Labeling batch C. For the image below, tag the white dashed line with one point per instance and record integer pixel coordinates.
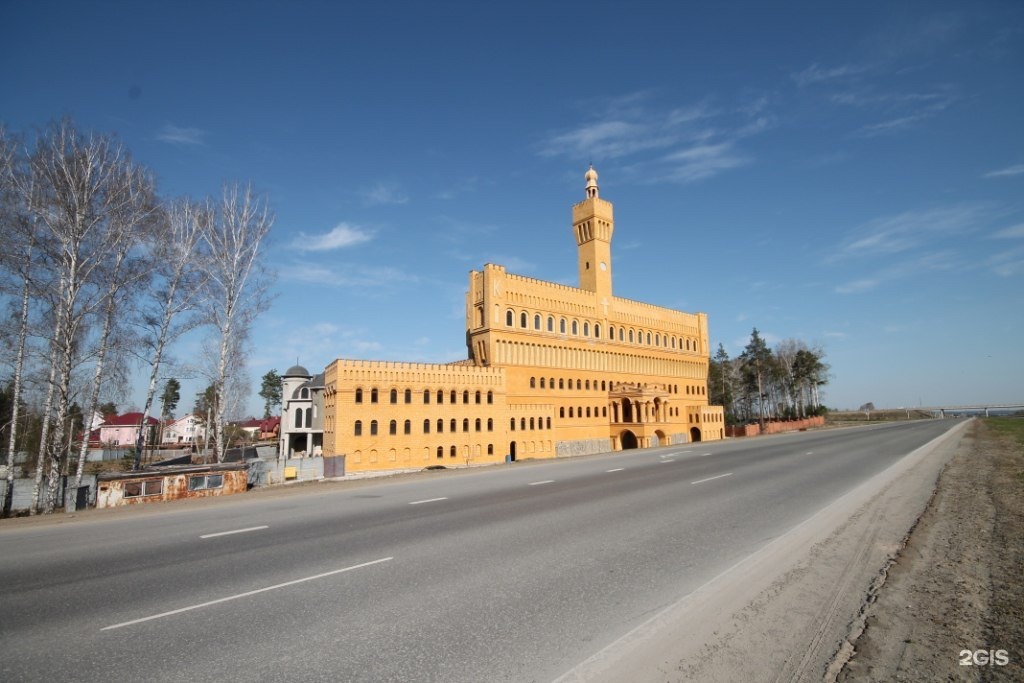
(245, 595)
(428, 500)
(701, 481)
(617, 469)
(235, 531)
(538, 483)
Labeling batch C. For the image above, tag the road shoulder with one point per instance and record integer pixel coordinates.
(784, 612)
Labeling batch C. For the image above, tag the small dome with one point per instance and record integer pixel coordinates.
(591, 175)
(296, 371)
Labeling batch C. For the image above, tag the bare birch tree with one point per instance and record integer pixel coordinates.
(236, 290)
(77, 186)
(169, 311)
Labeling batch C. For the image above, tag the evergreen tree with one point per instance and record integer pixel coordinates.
(270, 392)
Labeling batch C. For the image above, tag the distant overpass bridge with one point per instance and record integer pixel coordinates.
(978, 408)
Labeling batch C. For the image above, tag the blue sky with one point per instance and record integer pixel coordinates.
(847, 173)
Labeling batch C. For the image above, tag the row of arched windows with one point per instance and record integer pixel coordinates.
(439, 425)
(477, 396)
(534, 423)
(579, 412)
(586, 385)
(576, 328)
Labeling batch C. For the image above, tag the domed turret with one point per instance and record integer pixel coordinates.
(297, 371)
(591, 178)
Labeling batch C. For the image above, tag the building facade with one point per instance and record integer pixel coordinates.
(552, 371)
(302, 413)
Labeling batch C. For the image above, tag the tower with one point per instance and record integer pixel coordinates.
(593, 223)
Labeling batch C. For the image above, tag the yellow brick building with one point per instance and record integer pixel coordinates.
(552, 371)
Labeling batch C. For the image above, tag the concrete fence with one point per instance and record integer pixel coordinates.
(775, 427)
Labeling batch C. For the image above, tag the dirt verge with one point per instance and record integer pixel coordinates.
(952, 604)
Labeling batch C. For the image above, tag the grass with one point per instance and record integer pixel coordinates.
(1010, 427)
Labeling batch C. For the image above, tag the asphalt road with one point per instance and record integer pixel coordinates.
(508, 573)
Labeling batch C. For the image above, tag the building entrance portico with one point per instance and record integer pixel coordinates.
(639, 415)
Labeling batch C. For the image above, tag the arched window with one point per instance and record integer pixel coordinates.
(579, 385)
(373, 395)
(298, 418)
(541, 382)
(512, 424)
(304, 393)
(532, 424)
(477, 398)
(490, 449)
(490, 397)
(548, 423)
(408, 395)
(570, 411)
(426, 396)
(453, 397)
(522, 319)
(440, 426)
(359, 395)
(687, 344)
(522, 423)
(465, 424)
(490, 424)
(478, 424)
(358, 431)
(309, 418)
(603, 386)
(536, 321)
(597, 330)
(648, 338)
(588, 411)
(454, 425)
(575, 327)
(394, 395)
(611, 332)
(673, 342)
(561, 412)
(586, 385)
(561, 325)
(465, 397)
(426, 426)
(631, 336)
(440, 396)
(393, 427)
(373, 428)
(561, 383)
(586, 329)
(533, 382)
(657, 340)
(551, 324)
(408, 427)
(620, 334)
(451, 452)
(440, 452)
(508, 318)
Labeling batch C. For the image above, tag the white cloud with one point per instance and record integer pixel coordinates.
(858, 286)
(1016, 169)
(815, 73)
(1008, 263)
(911, 229)
(383, 193)
(181, 136)
(1012, 232)
(341, 236)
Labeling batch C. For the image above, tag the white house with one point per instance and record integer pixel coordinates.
(186, 429)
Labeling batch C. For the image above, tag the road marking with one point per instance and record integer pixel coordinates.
(246, 594)
(810, 452)
(617, 469)
(236, 531)
(538, 483)
(701, 481)
(428, 500)
(668, 460)
(704, 455)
